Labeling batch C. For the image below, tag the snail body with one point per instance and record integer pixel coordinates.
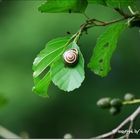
(71, 57)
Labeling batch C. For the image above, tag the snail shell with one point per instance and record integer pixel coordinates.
(71, 57)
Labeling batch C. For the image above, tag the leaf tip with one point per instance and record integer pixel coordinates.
(45, 95)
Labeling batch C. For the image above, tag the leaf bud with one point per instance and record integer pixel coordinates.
(114, 110)
(129, 97)
(116, 102)
(104, 102)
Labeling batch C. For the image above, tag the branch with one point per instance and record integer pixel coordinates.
(5, 133)
(130, 119)
(95, 22)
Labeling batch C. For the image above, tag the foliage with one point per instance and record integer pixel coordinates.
(49, 64)
(105, 46)
(45, 58)
(68, 78)
(56, 6)
(65, 78)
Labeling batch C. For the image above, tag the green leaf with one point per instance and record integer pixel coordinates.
(42, 85)
(44, 59)
(102, 2)
(63, 6)
(105, 46)
(119, 3)
(68, 78)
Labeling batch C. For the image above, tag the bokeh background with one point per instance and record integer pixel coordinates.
(24, 31)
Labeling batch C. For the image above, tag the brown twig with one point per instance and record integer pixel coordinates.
(130, 119)
(95, 22)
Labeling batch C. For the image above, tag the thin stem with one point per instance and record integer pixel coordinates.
(135, 101)
(129, 129)
(110, 22)
(130, 9)
(122, 137)
(95, 22)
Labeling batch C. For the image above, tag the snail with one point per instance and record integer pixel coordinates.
(71, 57)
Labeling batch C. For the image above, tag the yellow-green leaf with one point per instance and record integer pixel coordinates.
(44, 59)
(68, 78)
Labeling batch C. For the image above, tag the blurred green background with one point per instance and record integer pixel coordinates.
(23, 33)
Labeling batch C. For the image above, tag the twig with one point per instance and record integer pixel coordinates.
(107, 23)
(129, 129)
(5, 133)
(130, 119)
(131, 102)
(95, 22)
(130, 9)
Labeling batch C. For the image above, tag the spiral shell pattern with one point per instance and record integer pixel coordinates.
(71, 56)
